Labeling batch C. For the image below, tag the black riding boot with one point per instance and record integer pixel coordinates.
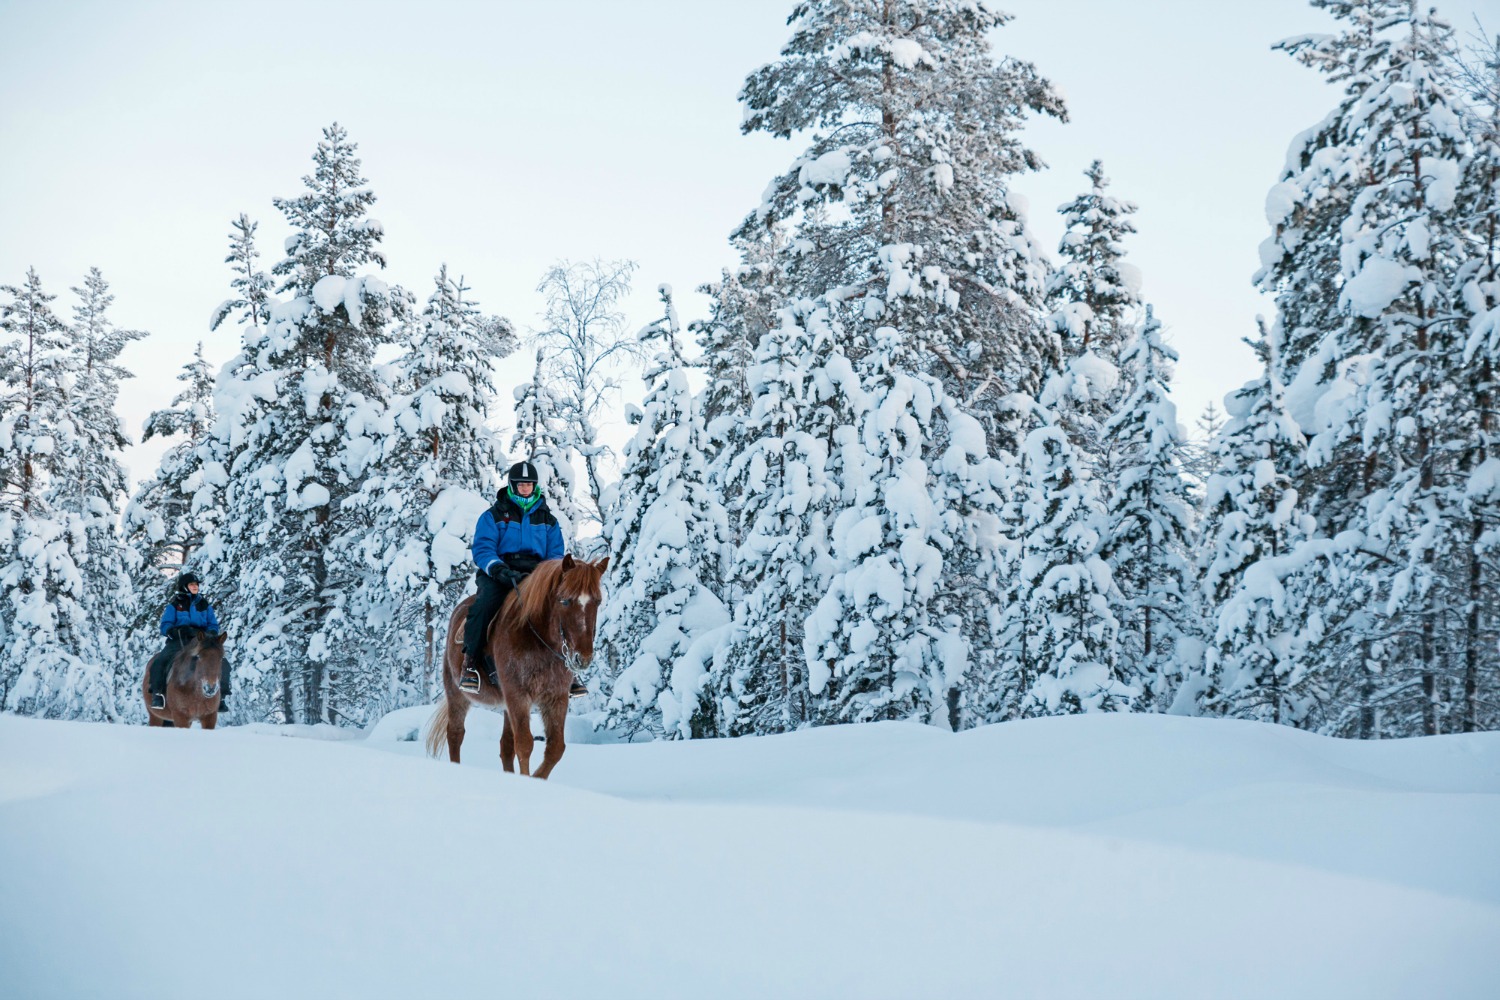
(223, 684)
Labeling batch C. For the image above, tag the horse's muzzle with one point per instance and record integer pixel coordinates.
(209, 690)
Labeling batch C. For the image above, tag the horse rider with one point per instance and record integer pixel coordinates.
(185, 612)
(511, 539)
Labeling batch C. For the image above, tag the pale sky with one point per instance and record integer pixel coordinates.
(500, 137)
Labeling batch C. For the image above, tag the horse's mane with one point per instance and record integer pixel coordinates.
(533, 600)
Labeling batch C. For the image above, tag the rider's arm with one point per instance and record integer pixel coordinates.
(486, 541)
(213, 619)
(555, 547)
(168, 618)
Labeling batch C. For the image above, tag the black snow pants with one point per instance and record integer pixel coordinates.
(492, 594)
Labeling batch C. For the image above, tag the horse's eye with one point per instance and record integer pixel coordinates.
(565, 601)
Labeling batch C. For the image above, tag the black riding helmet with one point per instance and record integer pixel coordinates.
(522, 472)
(183, 579)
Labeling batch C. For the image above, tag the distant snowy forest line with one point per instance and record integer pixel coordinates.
(908, 466)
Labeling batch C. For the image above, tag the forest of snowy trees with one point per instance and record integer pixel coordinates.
(910, 465)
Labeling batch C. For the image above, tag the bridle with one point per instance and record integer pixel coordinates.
(567, 655)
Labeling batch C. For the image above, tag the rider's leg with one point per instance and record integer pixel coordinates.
(486, 602)
(159, 666)
(223, 681)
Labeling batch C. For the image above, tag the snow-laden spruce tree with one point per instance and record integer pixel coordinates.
(43, 618)
(805, 395)
(745, 304)
(290, 446)
(912, 128)
(666, 531)
(1094, 302)
(251, 285)
(434, 472)
(96, 490)
(1477, 284)
(1094, 295)
(1149, 532)
(890, 638)
(1261, 612)
(1402, 243)
(1057, 630)
(1319, 181)
(162, 525)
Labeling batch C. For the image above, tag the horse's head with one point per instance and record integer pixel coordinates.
(576, 600)
(205, 661)
(559, 602)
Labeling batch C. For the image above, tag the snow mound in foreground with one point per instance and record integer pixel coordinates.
(1097, 856)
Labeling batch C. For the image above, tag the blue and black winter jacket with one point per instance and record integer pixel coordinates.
(185, 610)
(505, 529)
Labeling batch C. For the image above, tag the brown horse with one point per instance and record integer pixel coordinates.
(544, 631)
(192, 684)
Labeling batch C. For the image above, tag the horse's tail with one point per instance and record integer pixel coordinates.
(437, 728)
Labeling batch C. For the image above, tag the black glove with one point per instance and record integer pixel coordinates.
(502, 573)
(522, 562)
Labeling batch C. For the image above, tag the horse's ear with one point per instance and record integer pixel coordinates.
(217, 640)
(567, 563)
(602, 564)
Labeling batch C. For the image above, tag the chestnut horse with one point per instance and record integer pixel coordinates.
(544, 631)
(192, 684)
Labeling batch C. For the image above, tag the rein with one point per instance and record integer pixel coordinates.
(545, 643)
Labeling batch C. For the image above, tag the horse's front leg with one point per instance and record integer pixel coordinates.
(555, 718)
(210, 720)
(518, 716)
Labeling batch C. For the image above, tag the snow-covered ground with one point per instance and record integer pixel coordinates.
(1104, 856)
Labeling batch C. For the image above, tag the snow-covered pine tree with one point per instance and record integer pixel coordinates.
(433, 474)
(163, 526)
(96, 490)
(1094, 295)
(914, 140)
(292, 411)
(1477, 284)
(1094, 302)
(1403, 241)
(1319, 181)
(1198, 453)
(665, 526)
(1149, 531)
(883, 641)
(252, 286)
(1059, 630)
(1260, 622)
(744, 306)
(42, 545)
(804, 396)
(900, 218)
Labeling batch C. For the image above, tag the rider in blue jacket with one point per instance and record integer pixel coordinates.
(184, 613)
(510, 540)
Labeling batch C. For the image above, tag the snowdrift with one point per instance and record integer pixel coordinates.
(1105, 856)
